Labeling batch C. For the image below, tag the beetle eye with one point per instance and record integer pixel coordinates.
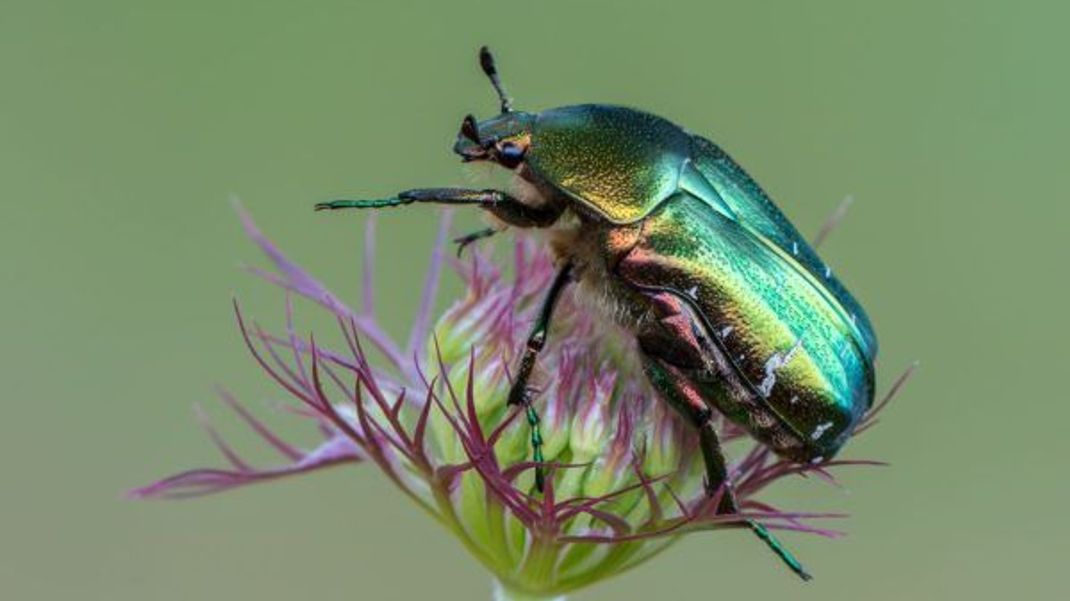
(510, 154)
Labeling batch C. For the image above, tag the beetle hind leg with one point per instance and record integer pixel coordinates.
(682, 394)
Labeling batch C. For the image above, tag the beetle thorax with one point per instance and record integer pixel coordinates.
(581, 241)
(576, 238)
(525, 191)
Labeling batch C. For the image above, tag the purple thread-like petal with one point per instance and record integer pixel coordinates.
(298, 280)
(199, 482)
(422, 322)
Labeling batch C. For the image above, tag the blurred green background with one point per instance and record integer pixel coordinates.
(125, 127)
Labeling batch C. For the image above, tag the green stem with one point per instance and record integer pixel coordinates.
(537, 570)
(503, 594)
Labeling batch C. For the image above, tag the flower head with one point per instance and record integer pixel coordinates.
(624, 478)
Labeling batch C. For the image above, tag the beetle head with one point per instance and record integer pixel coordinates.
(503, 139)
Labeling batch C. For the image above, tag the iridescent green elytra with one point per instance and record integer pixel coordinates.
(731, 308)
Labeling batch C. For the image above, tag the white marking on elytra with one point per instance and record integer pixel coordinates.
(680, 172)
(791, 352)
(820, 430)
(774, 363)
(795, 248)
(817, 460)
(794, 399)
(828, 271)
(725, 331)
(693, 292)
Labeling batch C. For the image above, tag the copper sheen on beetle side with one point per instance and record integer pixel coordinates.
(733, 311)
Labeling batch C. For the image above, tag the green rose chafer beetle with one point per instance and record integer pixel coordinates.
(732, 309)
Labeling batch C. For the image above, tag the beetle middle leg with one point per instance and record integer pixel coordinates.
(680, 391)
(462, 242)
(520, 393)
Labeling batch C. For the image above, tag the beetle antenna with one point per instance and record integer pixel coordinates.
(486, 60)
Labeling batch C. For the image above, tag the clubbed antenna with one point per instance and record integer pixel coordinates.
(486, 60)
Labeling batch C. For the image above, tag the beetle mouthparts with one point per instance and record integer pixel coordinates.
(469, 129)
(469, 145)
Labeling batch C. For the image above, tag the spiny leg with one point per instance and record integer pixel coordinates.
(450, 196)
(681, 393)
(520, 394)
(502, 205)
(462, 242)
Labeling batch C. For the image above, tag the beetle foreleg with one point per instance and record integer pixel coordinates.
(519, 394)
(502, 205)
(678, 390)
(449, 196)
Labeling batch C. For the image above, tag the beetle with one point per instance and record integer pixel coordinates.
(733, 311)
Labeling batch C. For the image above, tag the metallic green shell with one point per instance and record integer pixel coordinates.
(619, 162)
(714, 177)
(623, 163)
(711, 236)
(782, 331)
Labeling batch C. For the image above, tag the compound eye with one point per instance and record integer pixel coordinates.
(510, 154)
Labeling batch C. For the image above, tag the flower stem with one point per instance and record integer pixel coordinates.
(503, 594)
